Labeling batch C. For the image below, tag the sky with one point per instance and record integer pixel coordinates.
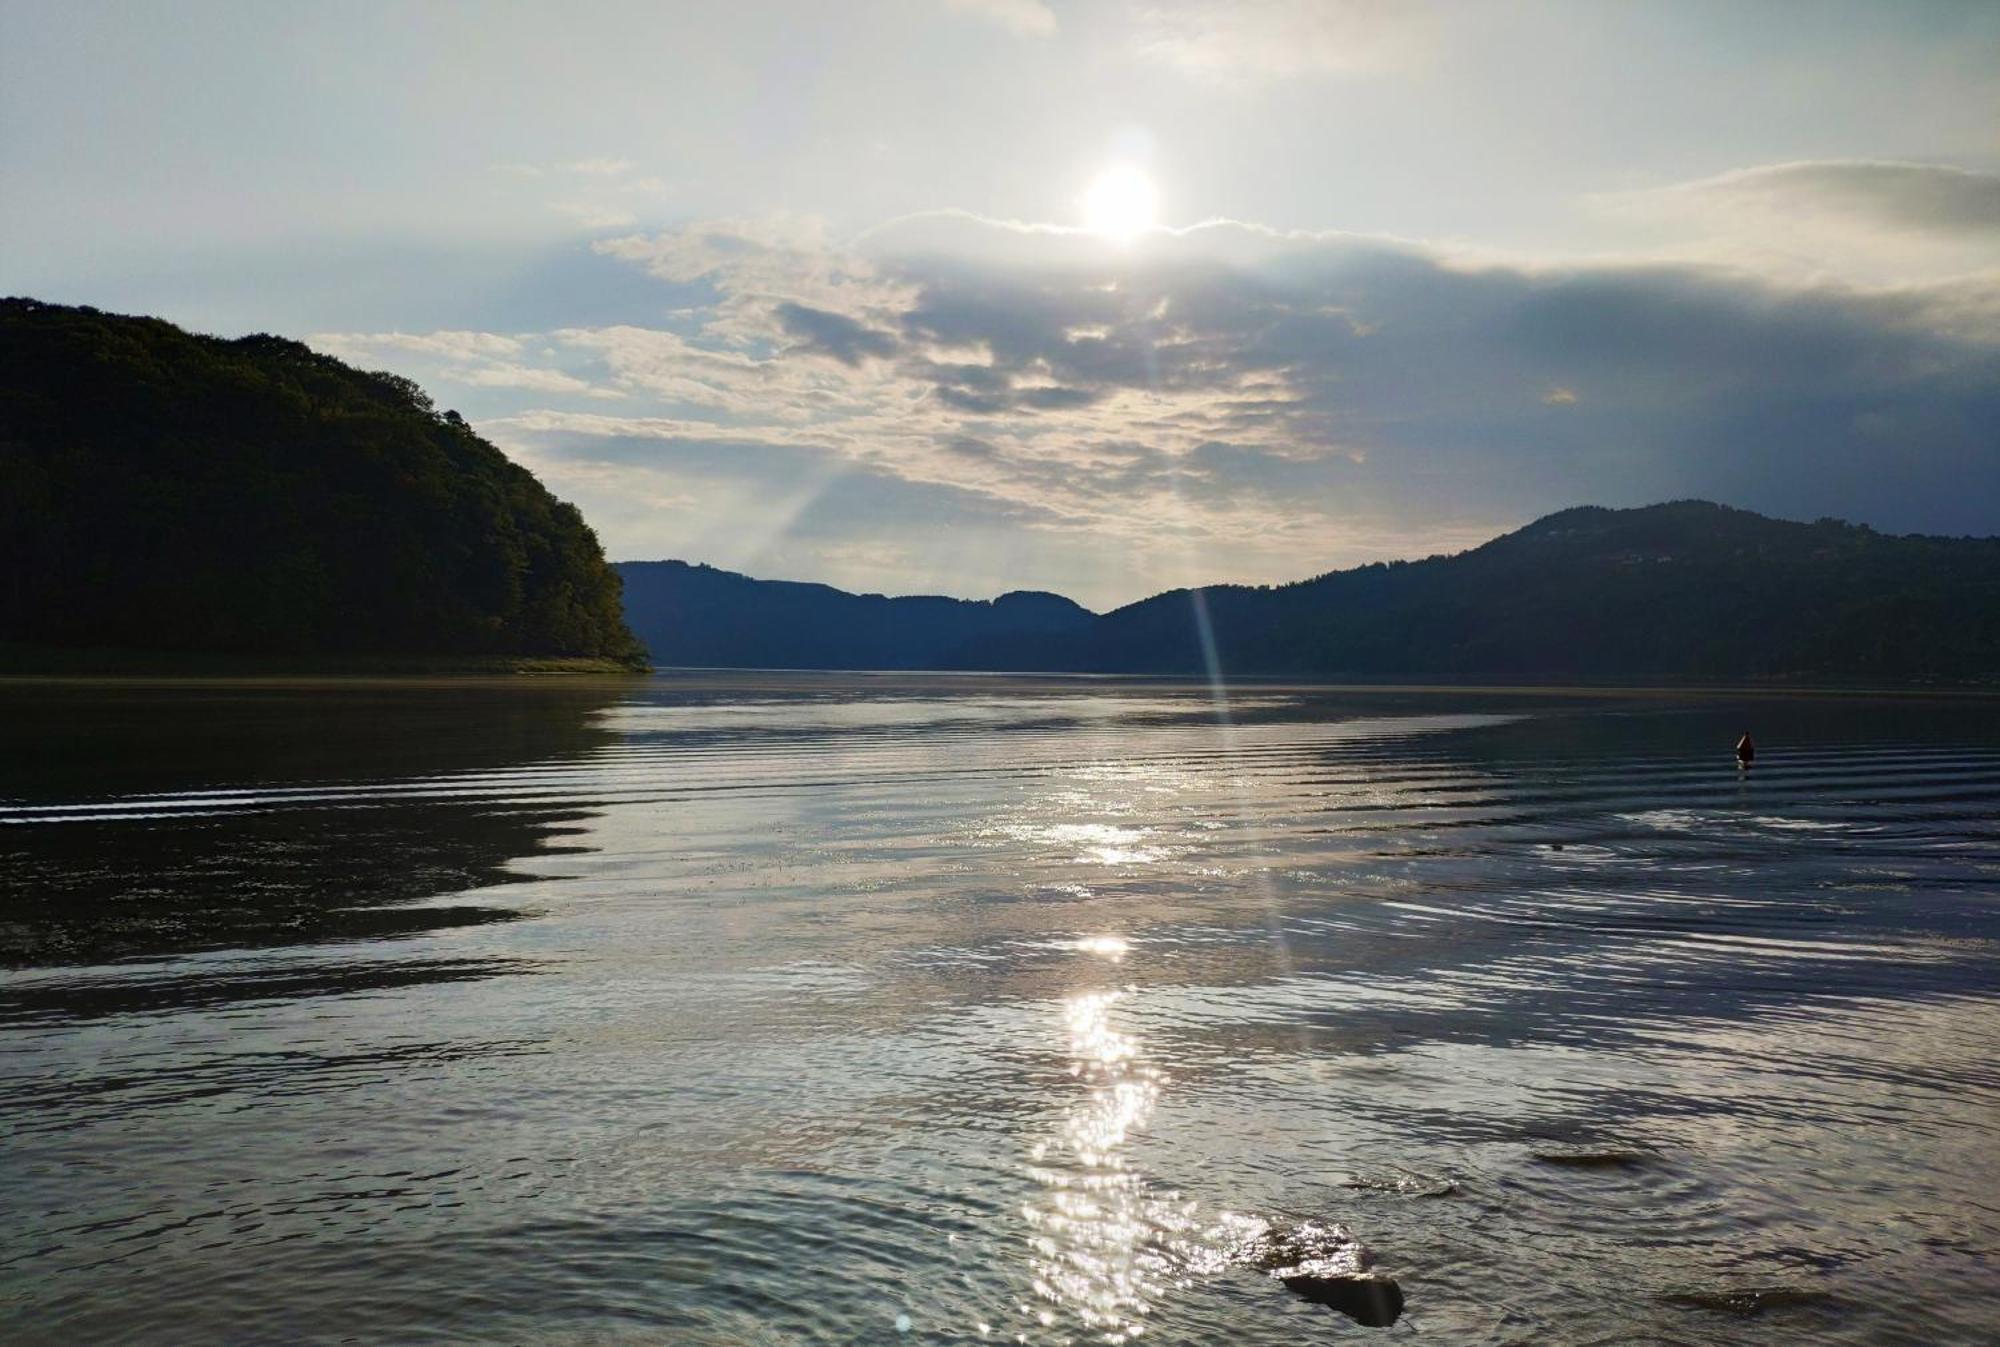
(1106, 297)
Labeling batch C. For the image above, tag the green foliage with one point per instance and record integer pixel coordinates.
(166, 491)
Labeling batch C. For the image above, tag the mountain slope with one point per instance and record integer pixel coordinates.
(1682, 591)
(163, 491)
(699, 616)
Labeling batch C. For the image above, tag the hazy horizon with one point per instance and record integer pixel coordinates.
(1210, 584)
(1102, 299)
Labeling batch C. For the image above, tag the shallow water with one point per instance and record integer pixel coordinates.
(774, 1009)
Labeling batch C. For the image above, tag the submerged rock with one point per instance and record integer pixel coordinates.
(1599, 1157)
(1327, 1265)
(1369, 1298)
(1750, 1301)
(1403, 1183)
(1322, 1263)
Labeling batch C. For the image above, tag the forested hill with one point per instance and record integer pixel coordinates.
(167, 492)
(1688, 591)
(699, 616)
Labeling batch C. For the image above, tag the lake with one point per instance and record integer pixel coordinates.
(773, 1008)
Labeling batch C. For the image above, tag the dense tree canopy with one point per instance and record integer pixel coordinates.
(161, 490)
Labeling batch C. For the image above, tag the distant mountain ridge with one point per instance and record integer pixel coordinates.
(1687, 590)
(694, 615)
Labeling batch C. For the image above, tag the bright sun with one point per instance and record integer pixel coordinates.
(1121, 203)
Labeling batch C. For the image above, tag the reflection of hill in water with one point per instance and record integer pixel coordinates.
(283, 831)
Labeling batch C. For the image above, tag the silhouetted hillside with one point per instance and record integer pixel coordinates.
(162, 491)
(699, 616)
(1684, 591)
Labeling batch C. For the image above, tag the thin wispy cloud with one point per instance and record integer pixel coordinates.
(1936, 199)
(1284, 39)
(590, 215)
(456, 346)
(1877, 221)
(1029, 18)
(601, 166)
(471, 359)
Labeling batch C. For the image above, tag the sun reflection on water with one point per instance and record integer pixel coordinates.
(1111, 947)
(1088, 1239)
(1098, 1236)
(1090, 843)
(1105, 1242)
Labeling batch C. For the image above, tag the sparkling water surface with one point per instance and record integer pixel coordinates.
(772, 1008)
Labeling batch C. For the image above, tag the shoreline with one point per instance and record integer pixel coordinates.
(43, 665)
(1337, 683)
(129, 669)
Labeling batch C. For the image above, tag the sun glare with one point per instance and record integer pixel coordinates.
(1121, 203)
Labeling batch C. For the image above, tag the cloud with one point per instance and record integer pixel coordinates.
(833, 334)
(598, 193)
(1028, 18)
(754, 265)
(889, 559)
(474, 359)
(1868, 221)
(601, 166)
(594, 216)
(757, 382)
(1282, 39)
(596, 166)
(1264, 404)
(539, 380)
(1922, 198)
(461, 346)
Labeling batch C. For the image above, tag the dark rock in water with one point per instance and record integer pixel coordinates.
(1599, 1158)
(1326, 1250)
(1369, 1298)
(1329, 1266)
(1749, 1302)
(1403, 1183)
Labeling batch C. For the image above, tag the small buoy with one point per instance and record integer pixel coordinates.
(1746, 749)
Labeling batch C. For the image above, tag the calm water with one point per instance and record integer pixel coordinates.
(814, 1009)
